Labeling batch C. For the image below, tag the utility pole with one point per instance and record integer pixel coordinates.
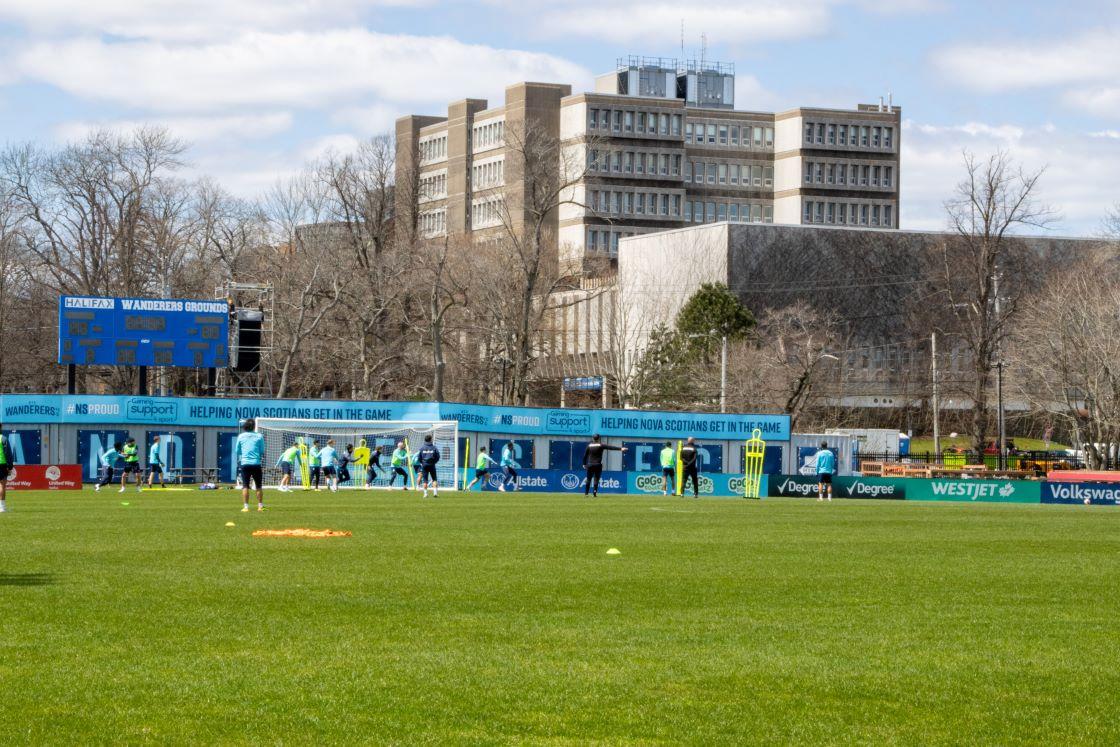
(723, 376)
(999, 373)
(936, 401)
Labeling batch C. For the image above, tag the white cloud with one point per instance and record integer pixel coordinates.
(1032, 64)
(191, 129)
(367, 120)
(660, 21)
(175, 19)
(1080, 181)
(1102, 101)
(297, 69)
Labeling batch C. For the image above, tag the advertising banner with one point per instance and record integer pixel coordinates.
(557, 481)
(803, 486)
(978, 491)
(194, 411)
(26, 445)
(45, 477)
(711, 484)
(1096, 494)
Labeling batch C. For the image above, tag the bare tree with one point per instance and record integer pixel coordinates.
(981, 264)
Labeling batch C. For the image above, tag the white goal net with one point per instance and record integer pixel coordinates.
(363, 438)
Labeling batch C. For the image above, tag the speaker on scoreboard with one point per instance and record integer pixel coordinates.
(247, 340)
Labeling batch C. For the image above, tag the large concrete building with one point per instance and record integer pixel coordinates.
(658, 145)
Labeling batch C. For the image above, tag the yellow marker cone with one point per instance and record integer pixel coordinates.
(613, 551)
(230, 524)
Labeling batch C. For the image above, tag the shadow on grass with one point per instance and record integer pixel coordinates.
(27, 579)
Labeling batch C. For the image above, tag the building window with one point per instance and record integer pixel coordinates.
(616, 161)
(711, 173)
(808, 172)
(768, 176)
(819, 171)
(853, 136)
(618, 121)
(710, 211)
(723, 134)
(831, 212)
(865, 175)
(711, 134)
(888, 175)
(687, 210)
(733, 177)
(808, 217)
(591, 239)
(614, 243)
(875, 136)
(832, 134)
(651, 163)
(733, 212)
(640, 203)
(676, 204)
(863, 136)
(735, 134)
(592, 119)
(688, 172)
(721, 212)
(830, 176)
(664, 159)
(756, 213)
(863, 215)
(820, 134)
(665, 205)
(874, 215)
(628, 162)
(723, 173)
(767, 213)
(808, 132)
(887, 216)
(818, 212)
(676, 125)
(769, 137)
(628, 122)
(843, 135)
(875, 176)
(841, 210)
(887, 131)
(676, 166)
(697, 212)
(664, 124)
(630, 203)
(698, 169)
(688, 132)
(641, 122)
(758, 137)
(841, 173)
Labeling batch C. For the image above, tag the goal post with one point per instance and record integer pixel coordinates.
(310, 435)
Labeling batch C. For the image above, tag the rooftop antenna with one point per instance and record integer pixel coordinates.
(703, 48)
(682, 38)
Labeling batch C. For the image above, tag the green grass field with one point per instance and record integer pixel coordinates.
(499, 618)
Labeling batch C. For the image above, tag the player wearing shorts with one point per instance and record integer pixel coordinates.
(593, 464)
(155, 465)
(482, 467)
(108, 465)
(6, 460)
(248, 455)
(826, 468)
(328, 457)
(428, 457)
(287, 462)
(668, 468)
(509, 466)
(131, 455)
(398, 461)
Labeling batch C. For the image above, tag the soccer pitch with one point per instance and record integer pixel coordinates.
(499, 618)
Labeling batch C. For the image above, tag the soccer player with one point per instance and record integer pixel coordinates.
(6, 460)
(428, 457)
(482, 467)
(108, 464)
(509, 466)
(344, 460)
(328, 457)
(287, 462)
(668, 468)
(398, 461)
(248, 454)
(374, 467)
(593, 464)
(314, 461)
(690, 461)
(155, 466)
(826, 467)
(131, 456)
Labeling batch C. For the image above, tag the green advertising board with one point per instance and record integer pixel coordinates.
(910, 488)
(977, 491)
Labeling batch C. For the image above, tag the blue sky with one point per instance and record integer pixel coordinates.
(260, 87)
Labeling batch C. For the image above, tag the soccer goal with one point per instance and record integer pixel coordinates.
(365, 437)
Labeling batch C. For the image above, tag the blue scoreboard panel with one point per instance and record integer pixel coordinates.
(143, 332)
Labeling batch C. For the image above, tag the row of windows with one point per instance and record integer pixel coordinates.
(433, 148)
(607, 202)
(634, 122)
(488, 134)
(729, 135)
(853, 175)
(433, 186)
(600, 240)
(489, 174)
(736, 212)
(862, 136)
(433, 223)
(848, 213)
(486, 213)
(746, 175)
(634, 162)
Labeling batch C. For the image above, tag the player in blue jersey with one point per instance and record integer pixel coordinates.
(248, 455)
(826, 468)
(428, 457)
(155, 463)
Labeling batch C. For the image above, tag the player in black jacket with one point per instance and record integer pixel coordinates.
(593, 464)
(428, 456)
(690, 462)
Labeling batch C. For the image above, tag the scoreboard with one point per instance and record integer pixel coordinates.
(143, 332)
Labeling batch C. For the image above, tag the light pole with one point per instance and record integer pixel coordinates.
(723, 375)
(503, 362)
(936, 402)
